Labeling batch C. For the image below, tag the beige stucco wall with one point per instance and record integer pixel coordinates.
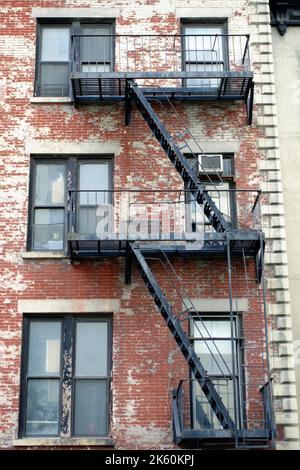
(287, 75)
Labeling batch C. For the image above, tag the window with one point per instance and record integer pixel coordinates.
(212, 343)
(66, 357)
(96, 48)
(48, 205)
(204, 50)
(94, 186)
(220, 186)
(56, 54)
(49, 198)
(54, 61)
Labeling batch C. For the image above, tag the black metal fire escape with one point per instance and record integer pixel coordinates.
(181, 164)
(182, 340)
(229, 239)
(216, 218)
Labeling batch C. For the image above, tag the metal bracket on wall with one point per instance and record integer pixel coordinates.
(128, 264)
(128, 104)
(249, 103)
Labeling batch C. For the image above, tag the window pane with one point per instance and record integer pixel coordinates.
(227, 166)
(204, 417)
(42, 407)
(54, 80)
(44, 348)
(90, 408)
(204, 44)
(92, 67)
(91, 349)
(94, 177)
(212, 328)
(96, 49)
(48, 230)
(221, 196)
(204, 82)
(55, 44)
(88, 219)
(49, 185)
(215, 356)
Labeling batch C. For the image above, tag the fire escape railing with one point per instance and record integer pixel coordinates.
(190, 55)
(189, 67)
(157, 214)
(193, 421)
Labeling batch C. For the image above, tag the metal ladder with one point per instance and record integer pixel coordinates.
(182, 340)
(181, 164)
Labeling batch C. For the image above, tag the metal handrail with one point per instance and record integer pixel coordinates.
(152, 52)
(237, 206)
(161, 35)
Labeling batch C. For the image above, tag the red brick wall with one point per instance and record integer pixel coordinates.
(146, 361)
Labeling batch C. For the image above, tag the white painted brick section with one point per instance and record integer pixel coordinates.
(287, 376)
(289, 404)
(284, 322)
(280, 309)
(280, 283)
(272, 210)
(284, 390)
(283, 362)
(287, 418)
(280, 336)
(282, 296)
(291, 433)
(281, 271)
(286, 349)
(274, 246)
(276, 258)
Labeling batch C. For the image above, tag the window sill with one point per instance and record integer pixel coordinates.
(44, 255)
(50, 99)
(64, 442)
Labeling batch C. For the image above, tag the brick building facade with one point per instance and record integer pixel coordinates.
(87, 358)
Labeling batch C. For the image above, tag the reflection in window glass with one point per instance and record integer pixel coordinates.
(94, 183)
(49, 186)
(91, 378)
(97, 48)
(90, 408)
(91, 349)
(55, 44)
(213, 346)
(44, 348)
(48, 220)
(54, 59)
(42, 407)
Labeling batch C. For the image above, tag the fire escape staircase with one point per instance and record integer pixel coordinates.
(229, 433)
(181, 164)
(216, 218)
(182, 340)
(224, 233)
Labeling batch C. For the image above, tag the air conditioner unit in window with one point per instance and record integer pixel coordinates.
(212, 163)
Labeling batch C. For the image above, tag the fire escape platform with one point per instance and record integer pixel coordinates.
(91, 87)
(253, 437)
(242, 242)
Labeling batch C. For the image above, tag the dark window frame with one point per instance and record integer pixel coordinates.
(75, 28)
(239, 360)
(71, 183)
(68, 325)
